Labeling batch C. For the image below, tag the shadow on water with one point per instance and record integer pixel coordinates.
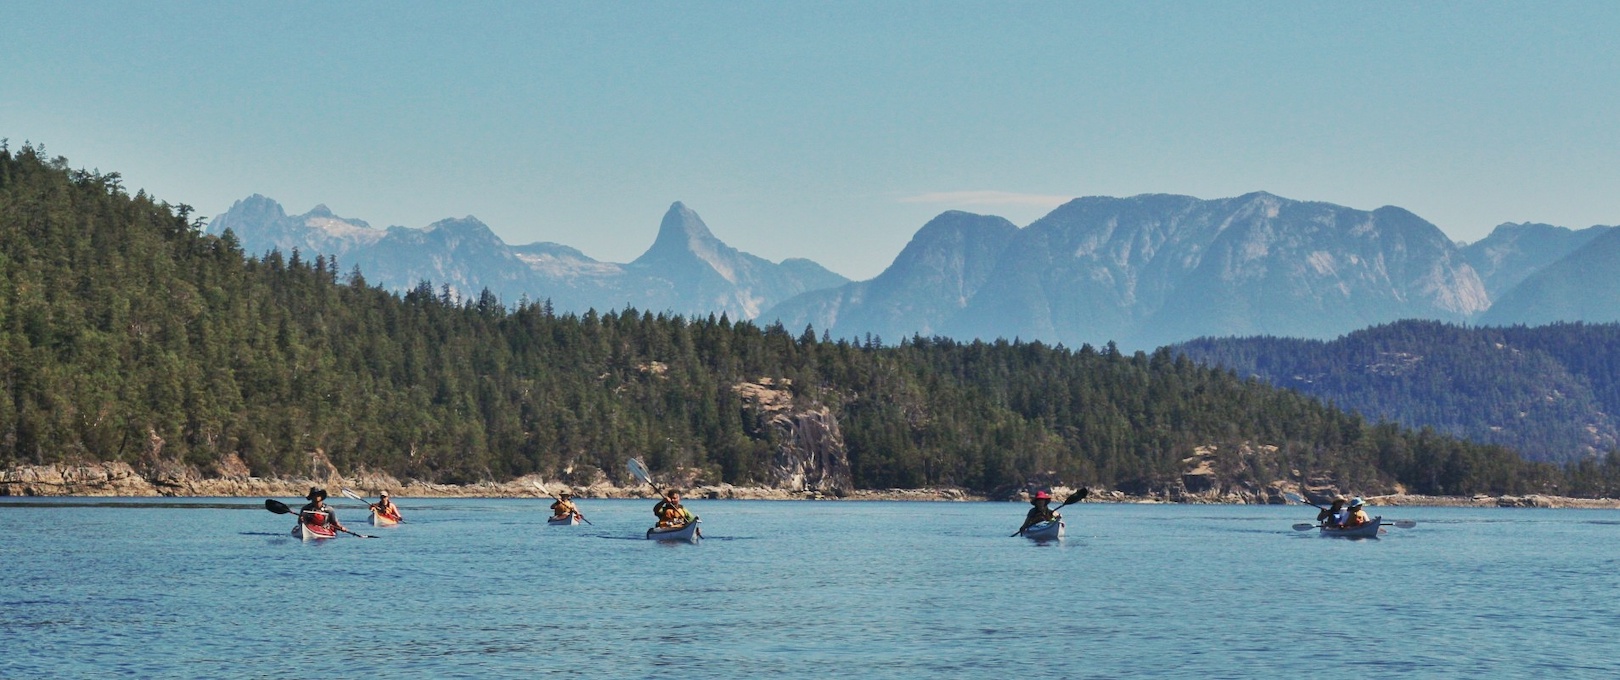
(141, 505)
(706, 538)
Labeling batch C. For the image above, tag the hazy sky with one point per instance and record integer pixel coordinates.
(821, 129)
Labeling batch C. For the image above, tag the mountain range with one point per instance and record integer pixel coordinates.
(1143, 271)
(687, 270)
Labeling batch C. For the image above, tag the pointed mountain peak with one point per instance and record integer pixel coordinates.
(682, 236)
(257, 207)
(320, 210)
(682, 230)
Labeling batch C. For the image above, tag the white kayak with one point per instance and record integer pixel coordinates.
(1045, 531)
(380, 520)
(562, 521)
(688, 532)
(1368, 530)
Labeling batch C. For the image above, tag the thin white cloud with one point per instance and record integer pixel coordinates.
(988, 198)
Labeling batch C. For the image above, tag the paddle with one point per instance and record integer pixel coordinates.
(1075, 497)
(281, 508)
(547, 492)
(351, 494)
(639, 470)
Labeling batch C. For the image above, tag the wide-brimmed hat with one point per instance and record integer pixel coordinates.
(1357, 502)
(1042, 495)
(313, 492)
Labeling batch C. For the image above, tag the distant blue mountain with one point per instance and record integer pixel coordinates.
(1154, 269)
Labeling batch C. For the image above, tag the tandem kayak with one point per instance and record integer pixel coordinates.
(380, 520)
(688, 532)
(1368, 530)
(1045, 531)
(311, 532)
(562, 521)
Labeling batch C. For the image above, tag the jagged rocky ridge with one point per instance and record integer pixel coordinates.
(687, 270)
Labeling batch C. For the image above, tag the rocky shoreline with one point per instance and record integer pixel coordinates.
(122, 480)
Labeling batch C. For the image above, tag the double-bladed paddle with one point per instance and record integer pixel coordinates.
(281, 508)
(547, 492)
(351, 494)
(1075, 497)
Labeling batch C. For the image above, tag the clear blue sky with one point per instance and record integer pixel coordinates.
(825, 130)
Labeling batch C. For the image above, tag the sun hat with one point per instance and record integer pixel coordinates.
(1043, 494)
(1357, 502)
(384, 493)
(313, 492)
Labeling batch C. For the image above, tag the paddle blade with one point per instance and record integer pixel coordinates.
(1405, 523)
(1295, 498)
(351, 494)
(1304, 527)
(277, 507)
(638, 470)
(1076, 497)
(541, 488)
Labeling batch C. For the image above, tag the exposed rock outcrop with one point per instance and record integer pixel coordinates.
(811, 455)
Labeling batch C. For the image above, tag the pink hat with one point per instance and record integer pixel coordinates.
(1043, 494)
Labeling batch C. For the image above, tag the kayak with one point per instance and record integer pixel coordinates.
(562, 521)
(1368, 530)
(380, 520)
(311, 532)
(688, 532)
(1045, 531)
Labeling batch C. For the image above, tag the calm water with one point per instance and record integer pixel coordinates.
(483, 588)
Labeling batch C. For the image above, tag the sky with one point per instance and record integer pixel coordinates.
(826, 130)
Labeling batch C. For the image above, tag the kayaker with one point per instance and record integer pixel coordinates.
(670, 512)
(564, 507)
(1333, 515)
(317, 513)
(385, 507)
(1040, 512)
(1358, 514)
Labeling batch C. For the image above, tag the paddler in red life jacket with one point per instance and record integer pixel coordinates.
(670, 512)
(1040, 512)
(317, 513)
(385, 507)
(564, 507)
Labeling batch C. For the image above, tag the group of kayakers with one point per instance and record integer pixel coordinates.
(1339, 515)
(317, 513)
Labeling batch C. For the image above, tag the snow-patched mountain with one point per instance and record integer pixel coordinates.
(687, 270)
(1515, 251)
(1154, 269)
(1581, 286)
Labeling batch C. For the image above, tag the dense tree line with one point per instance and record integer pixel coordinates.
(1550, 392)
(123, 326)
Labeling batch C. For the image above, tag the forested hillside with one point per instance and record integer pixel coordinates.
(1551, 392)
(127, 334)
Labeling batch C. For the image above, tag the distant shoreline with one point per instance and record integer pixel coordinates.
(119, 480)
